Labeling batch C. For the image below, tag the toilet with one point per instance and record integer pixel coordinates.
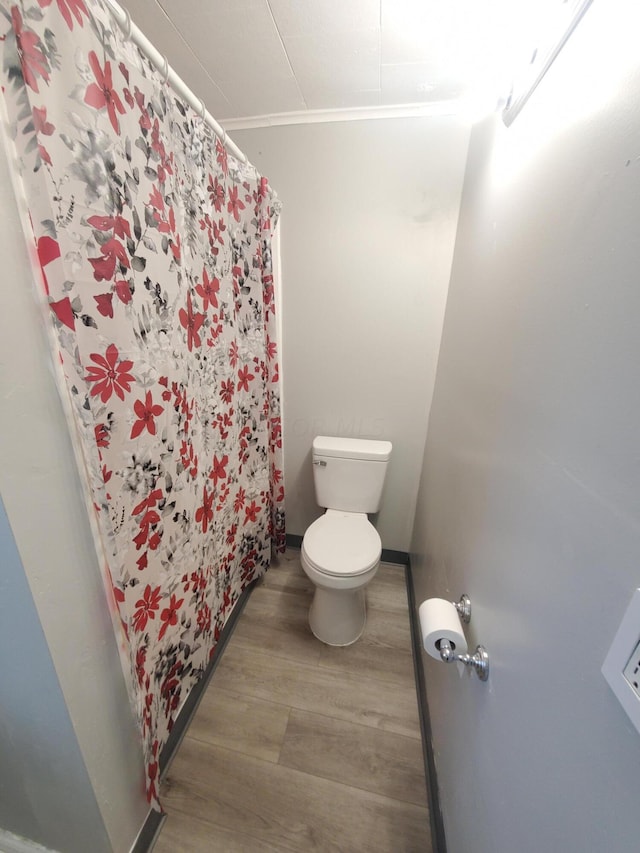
(341, 550)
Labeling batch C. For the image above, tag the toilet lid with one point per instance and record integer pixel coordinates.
(342, 543)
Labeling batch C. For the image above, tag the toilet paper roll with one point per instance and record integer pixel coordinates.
(439, 620)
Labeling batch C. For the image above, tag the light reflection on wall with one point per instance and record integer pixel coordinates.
(578, 86)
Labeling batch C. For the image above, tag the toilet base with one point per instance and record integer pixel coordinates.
(338, 617)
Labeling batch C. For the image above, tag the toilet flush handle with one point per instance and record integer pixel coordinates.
(320, 462)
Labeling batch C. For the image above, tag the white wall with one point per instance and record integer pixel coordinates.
(44, 504)
(368, 226)
(530, 492)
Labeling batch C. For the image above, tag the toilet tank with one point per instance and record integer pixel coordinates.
(349, 473)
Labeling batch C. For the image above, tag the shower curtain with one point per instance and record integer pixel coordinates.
(153, 251)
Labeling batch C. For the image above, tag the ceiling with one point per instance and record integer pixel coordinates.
(248, 58)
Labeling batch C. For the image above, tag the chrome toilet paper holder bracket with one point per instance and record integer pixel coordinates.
(464, 608)
(479, 661)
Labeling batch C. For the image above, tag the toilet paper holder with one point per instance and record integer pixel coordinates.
(480, 660)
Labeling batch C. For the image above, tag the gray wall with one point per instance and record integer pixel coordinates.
(368, 226)
(530, 491)
(45, 794)
(45, 507)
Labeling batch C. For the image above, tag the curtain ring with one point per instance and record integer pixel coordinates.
(165, 70)
(203, 109)
(128, 23)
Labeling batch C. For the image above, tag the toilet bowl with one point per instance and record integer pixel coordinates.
(341, 550)
(340, 555)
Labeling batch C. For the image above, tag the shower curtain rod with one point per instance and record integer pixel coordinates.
(123, 19)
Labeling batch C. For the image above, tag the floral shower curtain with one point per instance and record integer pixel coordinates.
(154, 250)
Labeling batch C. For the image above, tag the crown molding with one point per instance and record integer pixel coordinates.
(436, 108)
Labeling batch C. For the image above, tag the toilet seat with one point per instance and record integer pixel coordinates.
(342, 544)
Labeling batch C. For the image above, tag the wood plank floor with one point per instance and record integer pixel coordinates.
(297, 746)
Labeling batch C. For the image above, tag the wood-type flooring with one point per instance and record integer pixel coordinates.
(298, 746)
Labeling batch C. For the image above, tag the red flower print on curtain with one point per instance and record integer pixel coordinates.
(67, 8)
(155, 257)
(101, 93)
(109, 374)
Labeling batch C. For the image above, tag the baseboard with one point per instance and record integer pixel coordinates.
(10, 843)
(149, 833)
(197, 692)
(400, 558)
(438, 840)
(294, 541)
